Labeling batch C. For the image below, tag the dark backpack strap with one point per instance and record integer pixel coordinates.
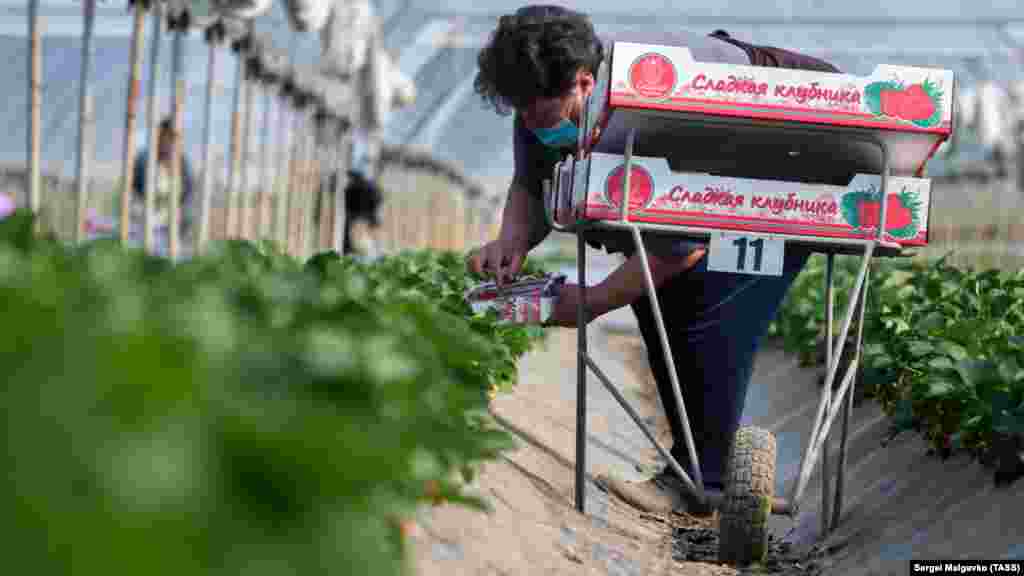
(776, 57)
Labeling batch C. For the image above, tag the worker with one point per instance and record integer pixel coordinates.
(166, 142)
(540, 63)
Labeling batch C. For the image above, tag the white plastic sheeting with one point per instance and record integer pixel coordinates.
(205, 12)
(344, 40)
(994, 121)
(993, 113)
(308, 15)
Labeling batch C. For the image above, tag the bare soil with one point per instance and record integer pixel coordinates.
(534, 527)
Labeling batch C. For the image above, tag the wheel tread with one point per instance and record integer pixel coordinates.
(749, 491)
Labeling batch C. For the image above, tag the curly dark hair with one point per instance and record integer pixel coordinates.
(536, 53)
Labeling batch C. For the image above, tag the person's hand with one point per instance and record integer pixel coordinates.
(501, 259)
(564, 312)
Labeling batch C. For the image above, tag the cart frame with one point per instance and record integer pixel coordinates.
(829, 403)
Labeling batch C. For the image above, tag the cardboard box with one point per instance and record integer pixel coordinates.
(668, 101)
(909, 108)
(660, 196)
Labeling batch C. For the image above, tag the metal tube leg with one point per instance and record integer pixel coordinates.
(85, 118)
(696, 484)
(203, 232)
(581, 372)
(127, 167)
(676, 467)
(826, 488)
(820, 427)
(848, 412)
(152, 117)
(822, 423)
(659, 322)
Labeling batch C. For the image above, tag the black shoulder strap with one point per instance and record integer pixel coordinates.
(776, 57)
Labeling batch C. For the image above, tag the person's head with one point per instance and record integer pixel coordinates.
(166, 140)
(541, 62)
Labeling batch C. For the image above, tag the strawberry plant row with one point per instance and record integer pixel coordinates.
(240, 412)
(943, 346)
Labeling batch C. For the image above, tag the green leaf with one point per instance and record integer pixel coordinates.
(920, 348)
(953, 350)
(980, 375)
(932, 321)
(939, 387)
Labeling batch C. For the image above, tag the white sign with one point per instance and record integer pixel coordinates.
(746, 254)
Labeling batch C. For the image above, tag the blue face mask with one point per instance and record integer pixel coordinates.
(564, 134)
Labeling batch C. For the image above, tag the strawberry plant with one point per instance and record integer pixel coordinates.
(238, 412)
(944, 352)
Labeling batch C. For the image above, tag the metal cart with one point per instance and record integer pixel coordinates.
(848, 137)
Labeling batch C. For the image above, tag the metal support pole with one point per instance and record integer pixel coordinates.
(339, 194)
(826, 487)
(326, 163)
(581, 374)
(294, 173)
(263, 197)
(299, 184)
(284, 171)
(34, 97)
(233, 167)
(134, 89)
(152, 117)
(178, 115)
(244, 199)
(848, 413)
(85, 118)
(214, 35)
(309, 221)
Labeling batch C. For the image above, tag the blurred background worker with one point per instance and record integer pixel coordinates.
(98, 225)
(167, 140)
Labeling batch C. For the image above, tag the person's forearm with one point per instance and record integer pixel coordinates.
(627, 283)
(519, 225)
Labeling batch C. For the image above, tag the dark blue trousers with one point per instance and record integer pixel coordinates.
(714, 322)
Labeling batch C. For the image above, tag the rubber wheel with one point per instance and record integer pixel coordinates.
(749, 491)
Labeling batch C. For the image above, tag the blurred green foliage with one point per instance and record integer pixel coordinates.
(239, 413)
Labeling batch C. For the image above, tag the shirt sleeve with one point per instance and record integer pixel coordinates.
(525, 171)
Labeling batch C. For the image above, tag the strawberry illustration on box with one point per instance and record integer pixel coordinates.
(919, 104)
(862, 209)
